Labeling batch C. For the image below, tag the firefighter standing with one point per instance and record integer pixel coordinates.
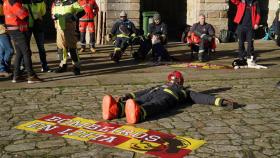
(37, 10)
(248, 19)
(87, 22)
(16, 19)
(124, 30)
(152, 101)
(65, 14)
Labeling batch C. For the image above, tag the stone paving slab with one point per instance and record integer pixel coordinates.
(249, 132)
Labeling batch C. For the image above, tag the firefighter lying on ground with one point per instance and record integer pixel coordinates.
(201, 38)
(124, 30)
(156, 39)
(138, 106)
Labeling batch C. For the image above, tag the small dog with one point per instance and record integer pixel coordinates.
(246, 64)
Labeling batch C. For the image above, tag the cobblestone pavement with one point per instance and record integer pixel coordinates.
(249, 132)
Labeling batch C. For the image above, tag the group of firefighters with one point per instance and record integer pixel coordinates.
(22, 18)
(19, 19)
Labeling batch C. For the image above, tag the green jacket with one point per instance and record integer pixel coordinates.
(64, 13)
(38, 10)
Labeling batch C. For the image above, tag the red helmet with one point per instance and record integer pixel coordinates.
(176, 77)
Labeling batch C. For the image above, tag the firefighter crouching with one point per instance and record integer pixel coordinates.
(124, 30)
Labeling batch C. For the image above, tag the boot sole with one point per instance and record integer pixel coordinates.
(107, 104)
(131, 111)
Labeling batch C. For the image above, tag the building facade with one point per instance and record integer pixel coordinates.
(177, 13)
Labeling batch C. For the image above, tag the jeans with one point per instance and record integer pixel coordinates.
(40, 40)
(6, 52)
(22, 51)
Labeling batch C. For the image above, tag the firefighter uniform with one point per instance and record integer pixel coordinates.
(157, 38)
(152, 101)
(87, 22)
(124, 30)
(16, 20)
(158, 35)
(65, 13)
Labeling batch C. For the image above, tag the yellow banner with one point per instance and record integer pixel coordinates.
(114, 135)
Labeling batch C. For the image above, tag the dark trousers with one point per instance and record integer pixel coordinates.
(122, 43)
(245, 34)
(91, 39)
(159, 101)
(160, 52)
(145, 47)
(22, 52)
(40, 40)
(204, 44)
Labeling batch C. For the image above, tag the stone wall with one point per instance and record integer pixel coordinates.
(114, 7)
(215, 11)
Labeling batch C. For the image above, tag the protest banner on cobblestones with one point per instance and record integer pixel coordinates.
(113, 135)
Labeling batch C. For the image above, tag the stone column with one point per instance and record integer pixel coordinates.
(272, 6)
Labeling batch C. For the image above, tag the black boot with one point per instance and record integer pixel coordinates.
(116, 56)
(61, 69)
(278, 85)
(76, 70)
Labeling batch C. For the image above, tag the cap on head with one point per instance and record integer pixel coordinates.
(157, 16)
(123, 14)
(176, 77)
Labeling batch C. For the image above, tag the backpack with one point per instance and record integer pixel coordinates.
(227, 36)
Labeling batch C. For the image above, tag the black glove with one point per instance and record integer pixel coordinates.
(230, 105)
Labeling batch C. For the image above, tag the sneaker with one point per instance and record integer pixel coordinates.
(17, 79)
(61, 69)
(132, 111)
(109, 108)
(76, 70)
(34, 79)
(46, 70)
(93, 50)
(82, 50)
(201, 55)
(5, 74)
